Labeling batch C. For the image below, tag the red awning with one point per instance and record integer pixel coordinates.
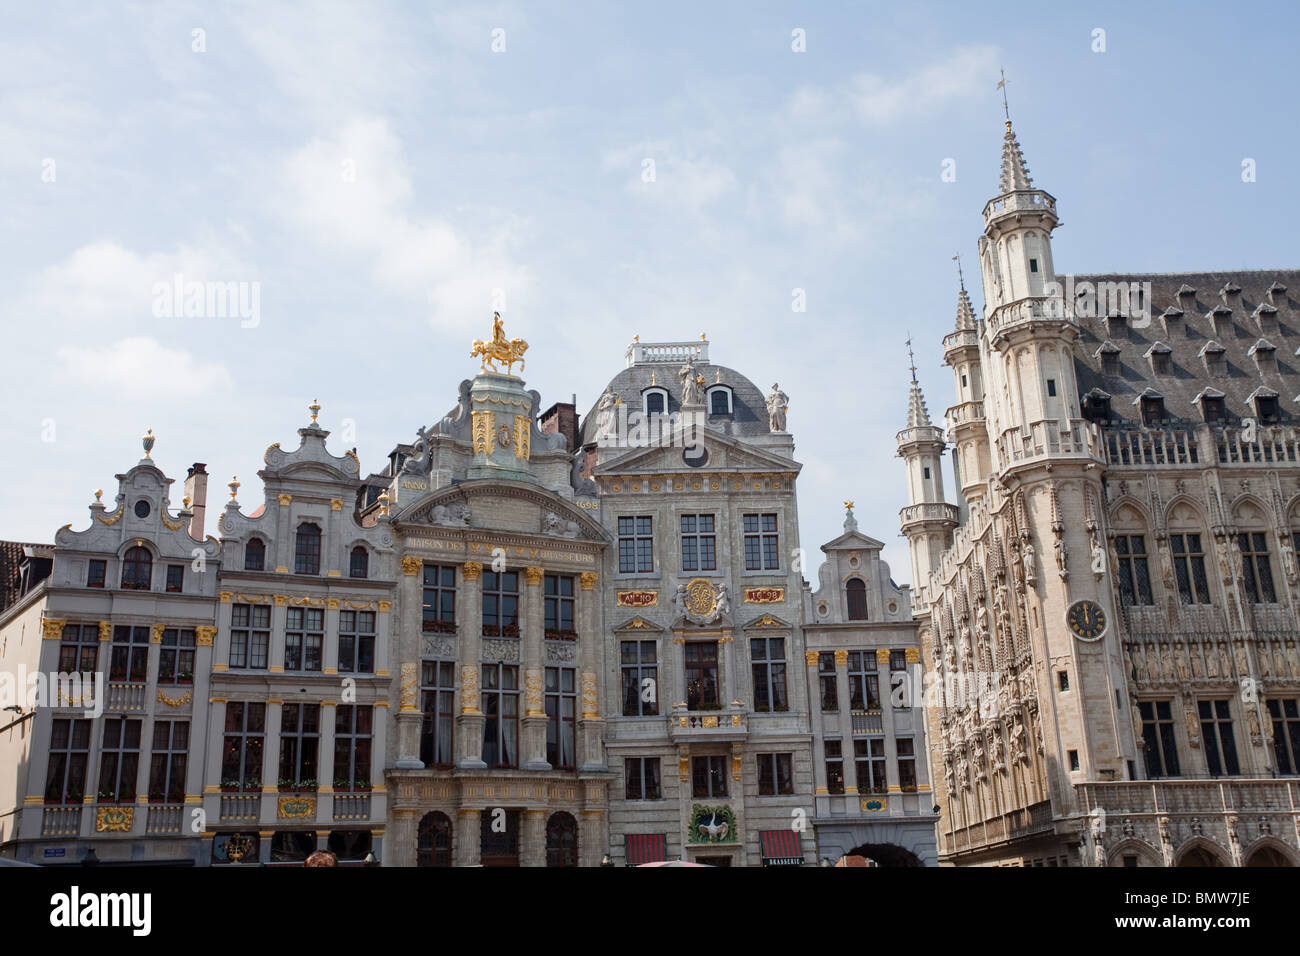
(646, 848)
(780, 847)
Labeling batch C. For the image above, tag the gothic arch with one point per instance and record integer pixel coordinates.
(1147, 854)
(1120, 522)
(1199, 851)
(1270, 851)
(1239, 505)
(1176, 517)
(1292, 511)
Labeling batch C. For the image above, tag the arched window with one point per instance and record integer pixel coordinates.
(856, 592)
(359, 564)
(656, 401)
(561, 840)
(433, 843)
(720, 400)
(137, 569)
(306, 555)
(254, 555)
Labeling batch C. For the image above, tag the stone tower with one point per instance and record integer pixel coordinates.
(927, 520)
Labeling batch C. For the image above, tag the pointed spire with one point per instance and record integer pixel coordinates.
(917, 414)
(965, 311)
(1015, 174)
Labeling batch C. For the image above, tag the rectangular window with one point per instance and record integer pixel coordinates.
(1033, 265)
(640, 672)
(250, 636)
(304, 637)
(709, 776)
(1134, 575)
(176, 657)
(635, 545)
(175, 578)
(79, 648)
(69, 753)
(830, 692)
(1051, 388)
(129, 660)
(356, 642)
(501, 604)
(1285, 715)
(898, 660)
(561, 713)
(869, 761)
(1256, 569)
(767, 659)
(864, 685)
(241, 752)
(438, 692)
(500, 702)
(119, 759)
(699, 543)
(95, 573)
(834, 767)
(306, 550)
(353, 732)
(1063, 680)
(701, 675)
(169, 760)
(641, 778)
(762, 547)
(558, 607)
(1189, 567)
(1220, 745)
(1158, 745)
(906, 750)
(299, 745)
(439, 613)
(775, 774)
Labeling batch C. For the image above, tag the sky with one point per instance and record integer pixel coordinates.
(384, 175)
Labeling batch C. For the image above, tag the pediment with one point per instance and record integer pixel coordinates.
(723, 451)
(767, 621)
(853, 541)
(495, 505)
(638, 623)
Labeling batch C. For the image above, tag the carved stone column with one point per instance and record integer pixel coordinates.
(400, 847)
(532, 841)
(469, 723)
(408, 665)
(591, 750)
(533, 723)
(466, 848)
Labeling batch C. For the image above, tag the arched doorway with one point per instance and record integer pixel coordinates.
(433, 840)
(1268, 856)
(886, 854)
(561, 840)
(1199, 856)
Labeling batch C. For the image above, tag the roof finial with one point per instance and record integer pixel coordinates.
(314, 408)
(961, 280)
(1002, 85)
(911, 359)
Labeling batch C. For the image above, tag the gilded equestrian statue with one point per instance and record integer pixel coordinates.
(499, 349)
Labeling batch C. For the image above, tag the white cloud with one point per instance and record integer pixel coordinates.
(682, 179)
(353, 192)
(139, 367)
(967, 72)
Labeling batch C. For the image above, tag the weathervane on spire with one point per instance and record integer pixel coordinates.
(911, 359)
(961, 280)
(1002, 85)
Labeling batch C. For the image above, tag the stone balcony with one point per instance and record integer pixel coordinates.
(914, 516)
(728, 723)
(1024, 314)
(1022, 201)
(667, 353)
(1173, 797)
(1050, 438)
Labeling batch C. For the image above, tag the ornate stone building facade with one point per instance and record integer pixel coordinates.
(871, 771)
(1108, 611)
(707, 730)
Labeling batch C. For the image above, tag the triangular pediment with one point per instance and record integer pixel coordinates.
(722, 452)
(853, 541)
(766, 621)
(638, 624)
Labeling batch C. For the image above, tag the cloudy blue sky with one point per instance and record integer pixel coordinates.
(378, 169)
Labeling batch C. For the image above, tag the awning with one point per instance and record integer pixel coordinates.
(646, 848)
(780, 847)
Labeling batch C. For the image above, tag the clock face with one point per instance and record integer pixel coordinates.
(1086, 620)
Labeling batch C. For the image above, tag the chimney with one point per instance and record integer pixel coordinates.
(562, 417)
(196, 489)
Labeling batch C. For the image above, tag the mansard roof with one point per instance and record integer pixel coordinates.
(1209, 324)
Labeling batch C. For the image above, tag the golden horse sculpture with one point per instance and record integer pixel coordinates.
(499, 349)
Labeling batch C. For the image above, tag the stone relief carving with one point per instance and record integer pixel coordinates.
(553, 524)
(500, 650)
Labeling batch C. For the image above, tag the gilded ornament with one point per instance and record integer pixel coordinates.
(588, 580)
(523, 437)
(285, 499)
(114, 819)
(52, 629)
(174, 701)
(411, 565)
(534, 575)
(472, 569)
(499, 349)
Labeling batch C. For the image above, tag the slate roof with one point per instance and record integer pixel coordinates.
(1211, 315)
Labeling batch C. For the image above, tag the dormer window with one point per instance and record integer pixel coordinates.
(1211, 355)
(1158, 356)
(1220, 320)
(1264, 353)
(1264, 401)
(1210, 401)
(1276, 293)
(1116, 326)
(1108, 353)
(1265, 317)
(1152, 405)
(1171, 317)
(720, 399)
(656, 401)
(1096, 406)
